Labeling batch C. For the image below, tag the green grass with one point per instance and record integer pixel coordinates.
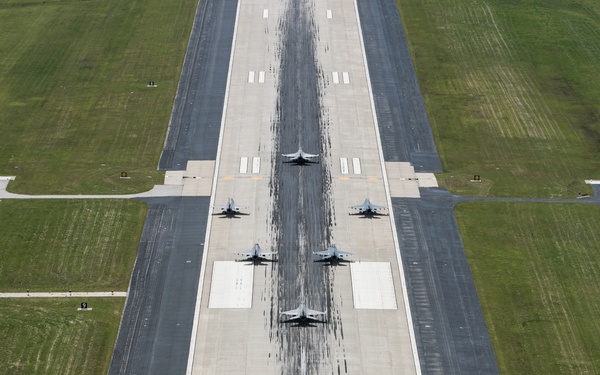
(79, 245)
(75, 112)
(512, 92)
(74, 107)
(536, 268)
(49, 336)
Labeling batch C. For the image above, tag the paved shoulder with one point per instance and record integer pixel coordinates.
(196, 118)
(156, 326)
(452, 337)
(403, 123)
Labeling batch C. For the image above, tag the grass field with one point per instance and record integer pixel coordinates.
(75, 112)
(512, 92)
(49, 336)
(74, 107)
(536, 267)
(79, 245)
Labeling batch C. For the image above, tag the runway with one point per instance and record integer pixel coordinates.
(297, 77)
(282, 94)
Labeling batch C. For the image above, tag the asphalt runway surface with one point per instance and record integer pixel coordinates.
(451, 335)
(403, 123)
(196, 118)
(155, 331)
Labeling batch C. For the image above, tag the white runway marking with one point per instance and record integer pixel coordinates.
(243, 164)
(193, 337)
(265, 13)
(356, 166)
(336, 77)
(346, 77)
(251, 76)
(256, 165)
(261, 77)
(373, 286)
(303, 361)
(411, 331)
(329, 15)
(231, 286)
(344, 165)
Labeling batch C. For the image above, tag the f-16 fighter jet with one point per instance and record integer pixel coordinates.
(332, 253)
(230, 207)
(302, 313)
(368, 208)
(300, 157)
(257, 254)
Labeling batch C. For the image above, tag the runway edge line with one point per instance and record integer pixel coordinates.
(389, 199)
(190, 363)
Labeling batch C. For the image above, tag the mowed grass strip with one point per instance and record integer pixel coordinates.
(536, 267)
(62, 245)
(74, 107)
(49, 335)
(511, 91)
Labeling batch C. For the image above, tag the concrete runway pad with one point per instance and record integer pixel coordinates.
(372, 286)
(427, 180)
(196, 179)
(404, 182)
(231, 285)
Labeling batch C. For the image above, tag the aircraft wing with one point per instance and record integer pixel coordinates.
(221, 207)
(294, 155)
(360, 207)
(313, 314)
(343, 254)
(238, 208)
(293, 314)
(375, 207)
(324, 253)
(266, 255)
(247, 254)
(309, 155)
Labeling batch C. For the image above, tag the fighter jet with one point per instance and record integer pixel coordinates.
(332, 254)
(368, 208)
(229, 208)
(302, 313)
(300, 157)
(256, 254)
